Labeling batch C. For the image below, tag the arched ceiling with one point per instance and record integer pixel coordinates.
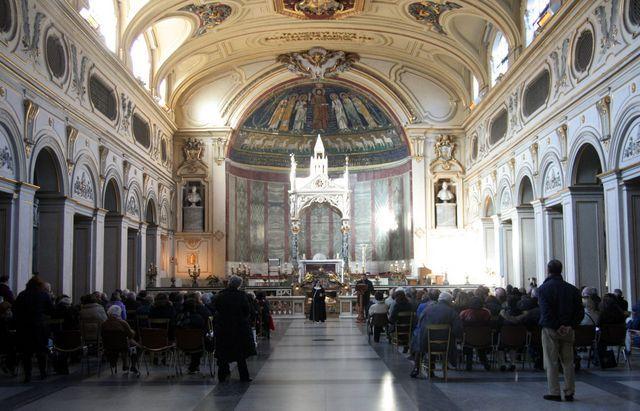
(423, 69)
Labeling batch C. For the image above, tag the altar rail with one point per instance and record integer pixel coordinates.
(287, 306)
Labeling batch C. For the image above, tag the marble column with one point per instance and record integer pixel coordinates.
(141, 269)
(617, 248)
(419, 211)
(218, 210)
(295, 230)
(98, 249)
(570, 250)
(22, 235)
(541, 240)
(345, 229)
(499, 262)
(68, 213)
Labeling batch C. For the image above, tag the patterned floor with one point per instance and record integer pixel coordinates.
(321, 367)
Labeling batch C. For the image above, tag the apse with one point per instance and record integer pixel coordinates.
(353, 125)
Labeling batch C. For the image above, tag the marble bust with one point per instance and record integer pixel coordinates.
(193, 198)
(445, 195)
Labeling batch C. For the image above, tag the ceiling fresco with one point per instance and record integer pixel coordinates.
(319, 9)
(288, 121)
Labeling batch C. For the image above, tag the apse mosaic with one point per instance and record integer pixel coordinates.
(288, 122)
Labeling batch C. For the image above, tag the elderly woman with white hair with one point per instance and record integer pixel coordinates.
(234, 338)
(111, 328)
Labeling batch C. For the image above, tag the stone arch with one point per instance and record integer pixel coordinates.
(627, 118)
(585, 137)
(525, 172)
(151, 211)
(112, 173)
(488, 204)
(112, 196)
(586, 165)
(14, 141)
(525, 193)
(49, 147)
(552, 177)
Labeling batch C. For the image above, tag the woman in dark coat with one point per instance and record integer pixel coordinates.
(30, 309)
(318, 311)
(234, 338)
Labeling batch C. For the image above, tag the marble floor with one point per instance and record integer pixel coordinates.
(328, 366)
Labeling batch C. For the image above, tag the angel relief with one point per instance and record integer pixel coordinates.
(318, 63)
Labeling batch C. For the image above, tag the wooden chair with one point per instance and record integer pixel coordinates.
(188, 342)
(115, 343)
(156, 341)
(438, 340)
(69, 342)
(585, 337)
(142, 321)
(615, 336)
(402, 330)
(159, 323)
(479, 337)
(376, 320)
(514, 337)
(91, 337)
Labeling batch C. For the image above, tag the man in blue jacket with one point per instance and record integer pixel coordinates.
(560, 310)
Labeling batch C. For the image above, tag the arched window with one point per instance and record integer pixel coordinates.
(499, 57)
(537, 15)
(141, 60)
(101, 15)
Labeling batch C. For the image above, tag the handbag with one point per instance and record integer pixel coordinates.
(272, 325)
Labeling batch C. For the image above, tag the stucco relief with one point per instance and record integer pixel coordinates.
(83, 187)
(552, 180)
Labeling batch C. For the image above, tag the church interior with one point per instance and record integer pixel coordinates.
(163, 147)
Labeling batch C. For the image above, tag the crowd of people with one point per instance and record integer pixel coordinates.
(230, 321)
(552, 306)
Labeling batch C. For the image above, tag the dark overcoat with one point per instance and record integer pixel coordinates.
(234, 338)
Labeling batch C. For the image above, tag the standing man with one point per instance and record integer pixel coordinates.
(560, 310)
(232, 330)
(366, 297)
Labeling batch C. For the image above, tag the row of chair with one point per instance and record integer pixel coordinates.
(509, 337)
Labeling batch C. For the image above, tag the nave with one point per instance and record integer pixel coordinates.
(312, 367)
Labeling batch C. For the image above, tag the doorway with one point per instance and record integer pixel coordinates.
(133, 259)
(82, 256)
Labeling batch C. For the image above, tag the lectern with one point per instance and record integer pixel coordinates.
(361, 289)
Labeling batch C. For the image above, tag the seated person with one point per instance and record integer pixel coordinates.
(189, 318)
(8, 347)
(475, 315)
(441, 313)
(115, 324)
(378, 307)
(610, 314)
(590, 300)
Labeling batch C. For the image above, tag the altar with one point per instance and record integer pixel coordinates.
(326, 265)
